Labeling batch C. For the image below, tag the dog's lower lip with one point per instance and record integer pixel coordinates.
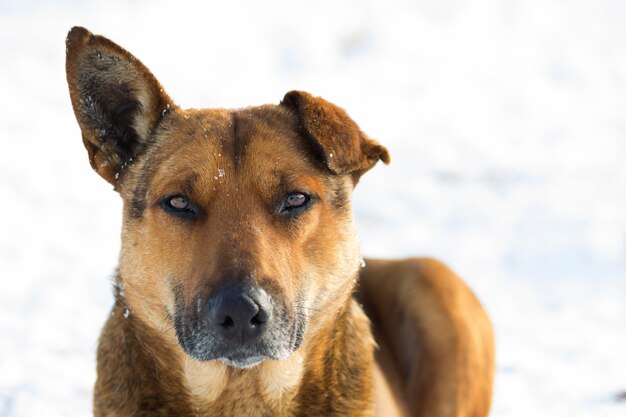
(243, 363)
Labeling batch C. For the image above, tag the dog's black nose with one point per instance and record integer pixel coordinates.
(240, 313)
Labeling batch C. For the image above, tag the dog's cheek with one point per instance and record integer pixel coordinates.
(151, 271)
(333, 260)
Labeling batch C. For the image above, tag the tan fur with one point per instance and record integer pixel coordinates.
(235, 168)
(280, 378)
(205, 381)
(276, 381)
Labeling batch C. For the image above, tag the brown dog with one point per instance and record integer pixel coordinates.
(239, 263)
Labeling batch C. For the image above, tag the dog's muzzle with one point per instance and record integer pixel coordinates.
(240, 325)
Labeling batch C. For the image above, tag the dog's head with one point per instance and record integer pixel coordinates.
(238, 229)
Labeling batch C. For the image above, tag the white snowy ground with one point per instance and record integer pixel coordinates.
(506, 121)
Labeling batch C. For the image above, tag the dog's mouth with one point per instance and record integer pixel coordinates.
(241, 334)
(244, 363)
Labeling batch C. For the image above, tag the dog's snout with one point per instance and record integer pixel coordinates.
(240, 313)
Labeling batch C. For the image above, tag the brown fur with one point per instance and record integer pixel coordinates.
(439, 355)
(236, 167)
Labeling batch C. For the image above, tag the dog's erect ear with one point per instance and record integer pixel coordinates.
(342, 145)
(117, 101)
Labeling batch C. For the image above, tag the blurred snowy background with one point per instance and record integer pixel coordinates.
(505, 119)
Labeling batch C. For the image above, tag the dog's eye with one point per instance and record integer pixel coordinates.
(179, 206)
(295, 201)
(179, 203)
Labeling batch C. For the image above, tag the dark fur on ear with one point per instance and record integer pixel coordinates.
(117, 101)
(342, 145)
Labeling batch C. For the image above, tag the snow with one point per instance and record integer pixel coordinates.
(505, 120)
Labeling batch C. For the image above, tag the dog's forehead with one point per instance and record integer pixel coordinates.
(209, 148)
(268, 138)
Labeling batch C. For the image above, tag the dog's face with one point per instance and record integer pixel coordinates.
(240, 234)
(238, 230)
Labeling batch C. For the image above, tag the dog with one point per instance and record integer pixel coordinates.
(240, 289)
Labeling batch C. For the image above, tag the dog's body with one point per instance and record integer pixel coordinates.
(235, 292)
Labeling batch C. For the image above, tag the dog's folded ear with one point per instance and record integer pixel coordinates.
(337, 138)
(117, 101)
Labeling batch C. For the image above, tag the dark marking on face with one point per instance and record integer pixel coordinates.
(138, 201)
(177, 289)
(239, 143)
(339, 195)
